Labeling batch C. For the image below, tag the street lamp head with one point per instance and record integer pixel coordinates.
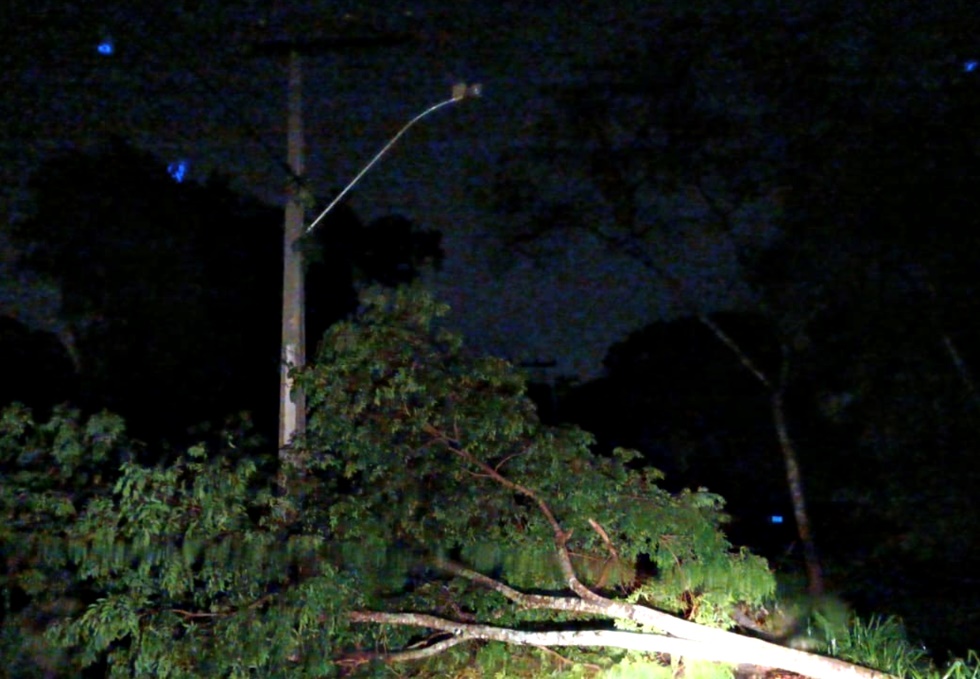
(462, 91)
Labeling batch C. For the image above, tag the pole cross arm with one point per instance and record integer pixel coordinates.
(314, 46)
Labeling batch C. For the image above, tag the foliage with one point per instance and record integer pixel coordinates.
(48, 470)
(643, 667)
(403, 423)
(203, 566)
(881, 642)
(171, 571)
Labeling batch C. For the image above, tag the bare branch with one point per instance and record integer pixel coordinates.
(743, 358)
(605, 537)
(189, 615)
(531, 601)
(794, 480)
(736, 649)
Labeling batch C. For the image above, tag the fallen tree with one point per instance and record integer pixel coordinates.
(675, 636)
(436, 429)
(428, 498)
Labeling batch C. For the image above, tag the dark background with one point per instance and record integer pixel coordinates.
(807, 178)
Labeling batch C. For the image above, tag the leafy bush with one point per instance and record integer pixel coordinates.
(48, 471)
(171, 571)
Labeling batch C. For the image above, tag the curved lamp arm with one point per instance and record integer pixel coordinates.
(460, 91)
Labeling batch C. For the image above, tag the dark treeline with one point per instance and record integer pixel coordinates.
(827, 151)
(172, 291)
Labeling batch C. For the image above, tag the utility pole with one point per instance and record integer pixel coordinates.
(292, 404)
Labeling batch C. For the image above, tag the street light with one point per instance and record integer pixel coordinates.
(292, 404)
(460, 91)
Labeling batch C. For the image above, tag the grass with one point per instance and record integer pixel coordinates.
(881, 643)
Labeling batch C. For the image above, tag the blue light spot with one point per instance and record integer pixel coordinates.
(776, 518)
(178, 170)
(105, 47)
(971, 65)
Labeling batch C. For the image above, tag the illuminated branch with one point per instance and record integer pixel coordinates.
(735, 649)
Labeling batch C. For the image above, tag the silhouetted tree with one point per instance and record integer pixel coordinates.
(825, 150)
(173, 289)
(37, 370)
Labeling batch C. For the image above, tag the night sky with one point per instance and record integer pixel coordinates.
(178, 82)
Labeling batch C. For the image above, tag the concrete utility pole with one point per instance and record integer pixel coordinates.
(292, 403)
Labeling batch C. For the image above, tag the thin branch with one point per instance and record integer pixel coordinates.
(743, 358)
(794, 480)
(189, 615)
(220, 614)
(529, 601)
(605, 537)
(590, 601)
(774, 655)
(605, 606)
(360, 658)
(566, 662)
(506, 460)
(962, 369)
(561, 536)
